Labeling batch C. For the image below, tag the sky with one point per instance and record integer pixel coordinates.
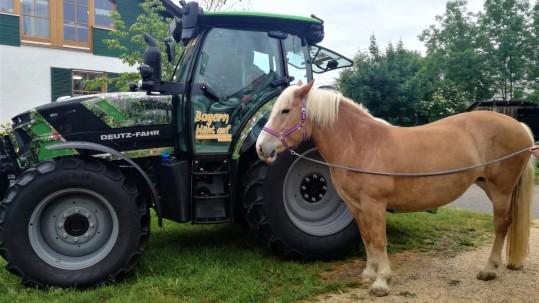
(348, 24)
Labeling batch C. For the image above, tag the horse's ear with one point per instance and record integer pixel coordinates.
(300, 83)
(303, 90)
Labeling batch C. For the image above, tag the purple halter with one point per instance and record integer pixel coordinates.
(293, 129)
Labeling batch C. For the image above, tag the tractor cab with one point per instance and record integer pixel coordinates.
(234, 63)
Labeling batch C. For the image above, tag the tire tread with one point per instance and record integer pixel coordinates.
(72, 164)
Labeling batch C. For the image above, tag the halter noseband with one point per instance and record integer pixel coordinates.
(293, 129)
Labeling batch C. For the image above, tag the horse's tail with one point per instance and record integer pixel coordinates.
(521, 204)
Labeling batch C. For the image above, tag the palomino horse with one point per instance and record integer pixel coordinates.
(347, 135)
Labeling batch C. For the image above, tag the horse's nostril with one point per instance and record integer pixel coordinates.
(272, 154)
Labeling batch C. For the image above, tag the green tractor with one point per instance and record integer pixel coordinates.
(78, 177)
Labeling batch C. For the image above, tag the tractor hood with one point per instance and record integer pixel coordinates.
(123, 121)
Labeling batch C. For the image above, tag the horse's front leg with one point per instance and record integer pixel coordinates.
(371, 269)
(372, 224)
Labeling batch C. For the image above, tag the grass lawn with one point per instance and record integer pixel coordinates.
(226, 263)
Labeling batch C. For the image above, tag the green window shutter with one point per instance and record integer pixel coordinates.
(129, 10)
(61, 83)
(99, 47)
(9, 30)
(111, 87)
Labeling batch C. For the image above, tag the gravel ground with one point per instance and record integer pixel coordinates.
(446, 277)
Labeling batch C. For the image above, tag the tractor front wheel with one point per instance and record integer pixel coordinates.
(72, 223)
(295, 210)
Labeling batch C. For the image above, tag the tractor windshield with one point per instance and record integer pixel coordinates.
(234, 72)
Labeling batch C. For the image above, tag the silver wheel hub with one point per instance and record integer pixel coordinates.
(73, 228)
(311, 201)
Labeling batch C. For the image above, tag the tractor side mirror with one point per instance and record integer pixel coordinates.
(169, 49)
(175, 29)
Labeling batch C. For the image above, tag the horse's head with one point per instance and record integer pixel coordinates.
(286, 124)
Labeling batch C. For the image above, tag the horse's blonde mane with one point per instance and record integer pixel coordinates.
(322, 104)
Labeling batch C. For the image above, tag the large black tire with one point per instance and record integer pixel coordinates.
(72, 223)
(295, 210)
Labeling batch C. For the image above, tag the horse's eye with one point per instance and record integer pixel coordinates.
(285, 111)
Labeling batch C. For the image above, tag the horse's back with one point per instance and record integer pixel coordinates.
(455, 142)
(482, 129)
(492, 130)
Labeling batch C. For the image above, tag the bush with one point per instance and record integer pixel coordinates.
(5, 128)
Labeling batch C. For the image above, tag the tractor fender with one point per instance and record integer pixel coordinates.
(106, 149)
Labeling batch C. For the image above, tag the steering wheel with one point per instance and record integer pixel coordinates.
(220, 94)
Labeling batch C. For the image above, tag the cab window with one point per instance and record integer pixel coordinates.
(234, 72)
(296, 59)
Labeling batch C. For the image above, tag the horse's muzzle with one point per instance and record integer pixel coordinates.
(266, 154)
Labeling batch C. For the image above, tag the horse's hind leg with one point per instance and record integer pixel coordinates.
(502, 220)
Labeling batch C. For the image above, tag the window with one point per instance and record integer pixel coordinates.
(295, 56)
(6, 6)
(78, 83)
(103, 10)
(35, 18)
(235, 71)
(70, 82)
(61, 23)
(76, 20)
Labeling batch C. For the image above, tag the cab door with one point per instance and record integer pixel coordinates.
(235, 72)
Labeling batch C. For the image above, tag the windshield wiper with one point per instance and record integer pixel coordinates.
(281, 81)
(209, 92)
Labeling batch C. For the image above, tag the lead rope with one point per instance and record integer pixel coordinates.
(447, 172)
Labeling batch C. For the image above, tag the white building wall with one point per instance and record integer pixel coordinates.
(25, 74)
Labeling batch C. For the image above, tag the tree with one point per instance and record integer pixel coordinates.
(445, 101)
(455, 51)
(129, 41)
(217, 5)
(388, 83)
(506, 24)
(533, 71)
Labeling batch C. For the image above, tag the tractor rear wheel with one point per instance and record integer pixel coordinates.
(295, 209)
(72, 223)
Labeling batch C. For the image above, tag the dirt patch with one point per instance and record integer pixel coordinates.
(445, 277)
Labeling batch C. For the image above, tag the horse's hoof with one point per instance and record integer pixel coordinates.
(380, 288)
(379, 291)
(513, 266)
(486, 275)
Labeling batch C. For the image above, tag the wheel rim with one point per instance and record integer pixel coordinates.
(310, 199)
(73, 228)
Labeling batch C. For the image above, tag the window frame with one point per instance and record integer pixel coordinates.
(56, 26)
(24, 37)
(62, 20)
(115, 9)
(86, 92)
(16, 8)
